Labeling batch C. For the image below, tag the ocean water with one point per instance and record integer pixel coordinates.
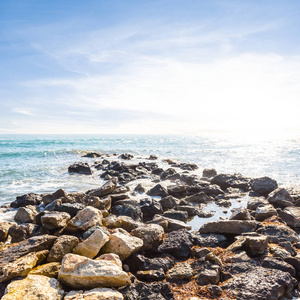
(39, 163)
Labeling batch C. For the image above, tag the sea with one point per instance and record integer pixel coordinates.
(39, 163)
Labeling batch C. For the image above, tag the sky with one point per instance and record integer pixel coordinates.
(150, 67)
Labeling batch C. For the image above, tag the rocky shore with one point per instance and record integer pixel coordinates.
(131, 237)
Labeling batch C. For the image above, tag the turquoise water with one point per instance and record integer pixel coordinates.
(39, 163)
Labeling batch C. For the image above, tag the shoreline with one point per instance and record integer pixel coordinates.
(148, 209)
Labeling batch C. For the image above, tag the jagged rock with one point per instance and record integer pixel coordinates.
(169, 202)
(93, 155)
(22, 232)
(149, 208)
(92, 245)
(129, 210)
(123, 245)
(228, 227)
(158, 190)
(240, 213)
(63, 245)
(278, 264)
(151, 275)
(253, 203)
(106, 189)
(264, 185)
(71, 208)
(82, 272)
(192, 211)
(289, 247)
(124, 222)
(209, 173)
(210, 275)
(55, 219)
(177, 243)
(140, 189)
(81, 168)
(291, 215)
(278, 252)
(177, 190)
(199, 198)
(260, 283)
(151, 234)
(47, 199)
(4, 228)
(209, 240)
(177, 215)
(112, 257)
(264, 212)
(100, 203)
(27, 199)
(91, 230)
(26, 214)
(34, 287)
(98, 293)
(281, 197)
(168, 224)
(86, 218)
(236, 181)
(49, 270)
(180, 271)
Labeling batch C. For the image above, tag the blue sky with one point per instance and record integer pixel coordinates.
(162, 66)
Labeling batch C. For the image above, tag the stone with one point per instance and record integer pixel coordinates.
(177, 243)
(210, 275)
(151, 275)
(209, 240)
(55, 219)
(264, 212)
(63, 245)
(49, 270)
(126, 156)
(27, 199)
(240, 213)
(180, 271)
(124, 222)
(34, 287)
(111, 257)
(94, 294)
(192, 211)
(26, 214)
(106, 189)
(177, 215)
(93, 155)
(22, 232)
(278, 264)
(86, 218)
(281, 197)
(100, 203)
(169, 202)
(4, 228)
(47, 199)
(158, 190)
(209, 173)
(82, 272)
(140, 189)
(151, 234)
(289, 247)
(253, 203)
(149, 208)
(71, 208)
(91, 230)
(169, 224)
(260, 283)
(264, 185)
(228, 227)
(291, 216)
(278, 252)
(236, 181)
(80, 168)
(177, 189)
(122, 245)
(129, 210)
(200, 252)
(92, 245)
(200, 197)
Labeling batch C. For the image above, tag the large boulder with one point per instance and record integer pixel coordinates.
(81, 168)
(27, 199)
(281, 197)
(82, 272)
(97, 294)
(34, 287)
(228, 227)
(26, 214)
(264, 185)
(264, 212)
(106, 189)
(235, 181)
(260, 284)
(150, 208)
(158, 190)
(55, 219)
(291, 215)
(22, 232)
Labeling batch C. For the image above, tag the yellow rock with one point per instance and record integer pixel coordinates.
(95, 294)
(49, 270)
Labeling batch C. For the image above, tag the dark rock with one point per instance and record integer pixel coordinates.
(252, 204)
(81, 168)
(150, 208)
(200, 252)
(291, 215)
(47, 199)
(210, 190)
(93, 155)
(260, 284)
(281, 197)
(209, 173)
(151, 275)
(91, 230)
(130, 210)
(4, 229)
(177, 243)
(27, 199)
(279, 252)
(71, 208)
(169, 202)
(177, 190)
(240, 213)
(236, 181)
(205, 214)
(199, 198)
(101, 203)
(169, 224)
(177, 215)
(209, 240)
(210, 275)
(289, 247)
(157, 171)
(188, 166)
(22, 232)
(158, 190)
(140, 189)
(126, 156)
(192, 211)
(106, 189)
(263, 212)
(152, 157)
(167, 173)
(275, 263)
(264, 185)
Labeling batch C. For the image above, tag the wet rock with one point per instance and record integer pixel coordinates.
(129, 210)
(122, 245)
(26, 214)
(158, 190)
(82, 272)
(177, 215)
(92, 245)
(149, 208)
(236, 181)
(253, 203)
(126, 156)
(47, 199)
(151, 275)
(260, 283)
(151, 234)
(27, 199)
(209, 240)
(93, 155)
(209, 173)
(279, 233)
(50, 270)
(86, 218)
(264, 212)
(100, 203)
(169, 224)
(4, 228)
(278, 264)
(191, 211)
(228, 227)
(264, 185)
(177, 243)
(34, 287)
(281, 197)
(106, 189)
(22, 232)
(180, 271)
(199, 198)
(63, 245)
(291, 215)
(140, 189)
(55, 219)
(205, 214)
(240, 213)
(179, 190)
(169, 202)
(98, 293)
(80, 168)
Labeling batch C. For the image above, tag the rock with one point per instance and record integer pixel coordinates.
(264, 212)
(200, 252)
(27, 199)
(124, 222)
(55, 219)
(49, 270)
(100, 203)
(281, 197)
(289, 247)
(4, 228)
(158, 190)
(240, 213)
(151, 275)
(98, 293)
(264, 185)
(71, 208)
(291, 215)
(47, 199)
(177, 215)
(34, 287)
(205, 214)
(126, 156)
(129, 210)
(93, 155)
(22, 265)
(112, 257)
(81, 168)
(210, 190)
(86, 218)
(106, 189)
(253, 203)
(279, 233)
(26, 214)
(199, 198)
(177, 190)
(210, 275)
(278, 264)
(209, 240)
(150, 207)
(151, 234)
(169, 202)
(140, 189)
(236, 181)
(209, 173)
(192, 211)
(228, 227)
(92, 245)
(177, 243)
(170, 225)
(63, 245)
(278, 252)
(260, 283)
(82, 272)
(123, 245)
(91, 230)
(180, 271)
(22, 232)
